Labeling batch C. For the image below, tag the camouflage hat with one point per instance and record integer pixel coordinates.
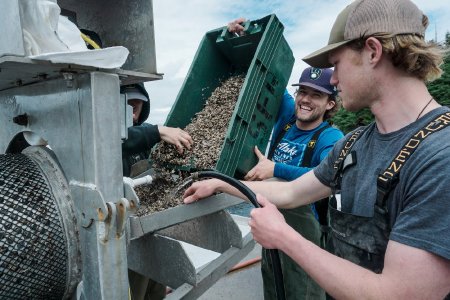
(364, 18)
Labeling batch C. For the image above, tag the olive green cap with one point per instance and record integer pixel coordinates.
(364, 18)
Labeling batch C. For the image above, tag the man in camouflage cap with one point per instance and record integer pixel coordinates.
(389, 211)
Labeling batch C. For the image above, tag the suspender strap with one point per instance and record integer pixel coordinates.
(389, 178)
(347, 147)
(321, 206)
(309, 151)
(280, 137)
(343, 159)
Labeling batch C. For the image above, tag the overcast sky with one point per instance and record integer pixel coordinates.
(181, 24)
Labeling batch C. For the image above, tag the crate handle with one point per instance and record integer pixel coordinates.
(250, 27)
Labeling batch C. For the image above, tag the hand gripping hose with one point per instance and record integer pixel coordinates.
(274, 256)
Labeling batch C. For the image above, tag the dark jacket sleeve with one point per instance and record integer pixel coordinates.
(140, 138)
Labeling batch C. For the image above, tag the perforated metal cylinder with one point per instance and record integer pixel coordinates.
(39, 254)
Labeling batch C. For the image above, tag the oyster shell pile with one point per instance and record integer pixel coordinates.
(208, 129)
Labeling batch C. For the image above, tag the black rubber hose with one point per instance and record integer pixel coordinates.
(274, 255)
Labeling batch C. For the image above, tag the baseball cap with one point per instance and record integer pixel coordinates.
(134, 93)
(318, 79)
(364, 18)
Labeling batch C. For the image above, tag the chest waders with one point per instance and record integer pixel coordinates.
(297, 283)
(363, 240)
(321, 206)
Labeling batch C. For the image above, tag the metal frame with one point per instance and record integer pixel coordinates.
(77, 112)
(78, 117)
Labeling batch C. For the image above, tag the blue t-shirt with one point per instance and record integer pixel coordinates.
(289, 153)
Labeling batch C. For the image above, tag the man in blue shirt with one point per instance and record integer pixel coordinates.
(315, 102)
(301, 138)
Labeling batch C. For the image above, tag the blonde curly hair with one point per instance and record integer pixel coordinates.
(411, 53)
(338, 103)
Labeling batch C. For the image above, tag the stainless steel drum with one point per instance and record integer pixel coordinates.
(39, 248)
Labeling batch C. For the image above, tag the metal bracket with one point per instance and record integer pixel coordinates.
(93, 206)
(123, 211)
(104, 227)
(113, 227)
(130, 194)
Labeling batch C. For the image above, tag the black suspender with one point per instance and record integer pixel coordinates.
(344, 160)
(388, 179)
(280, 137)
(307, 156)
(322, 205)
(309, 151)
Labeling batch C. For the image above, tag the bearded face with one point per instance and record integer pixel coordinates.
(311, 105)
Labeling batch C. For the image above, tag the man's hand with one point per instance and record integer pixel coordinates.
(263, 170)
(267, 224)
(176, 136)
(236, 27)
(200, 189)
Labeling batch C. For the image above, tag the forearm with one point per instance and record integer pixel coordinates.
(258, 187)
(409, 273)
(302, 191)
(141, 138)
(288, 172)
(339, 277)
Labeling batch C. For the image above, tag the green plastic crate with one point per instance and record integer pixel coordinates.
(267, 60)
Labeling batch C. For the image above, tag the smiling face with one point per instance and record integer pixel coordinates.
(310, 107)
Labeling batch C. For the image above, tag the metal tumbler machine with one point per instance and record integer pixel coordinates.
(67, 228)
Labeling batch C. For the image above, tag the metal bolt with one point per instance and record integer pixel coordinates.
(69, 79)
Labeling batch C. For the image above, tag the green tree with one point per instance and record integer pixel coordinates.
(440, 88)
(347, 121)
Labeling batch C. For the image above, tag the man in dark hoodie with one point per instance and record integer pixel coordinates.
(135, 152)
(143, 136)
